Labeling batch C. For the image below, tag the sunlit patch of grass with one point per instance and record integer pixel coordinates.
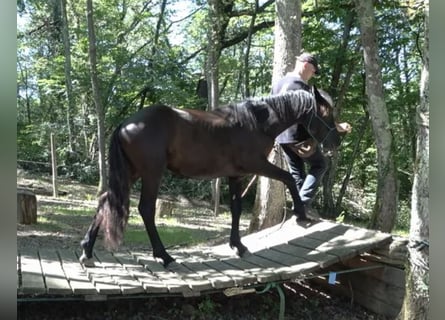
(47, 223)
(170, 235)
(364, 223)
(68, 210)
(400, 232)
(71, 211)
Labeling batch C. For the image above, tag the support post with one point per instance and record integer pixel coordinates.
(54, 165)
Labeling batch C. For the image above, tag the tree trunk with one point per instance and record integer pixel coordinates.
(96, 96)
(385, 208)
(337, 90)
(213, 51)
(416, 302)
(270, 201)
(26, 207)
(287, 34)
(247, 54)
(68, 83)
(217, 22)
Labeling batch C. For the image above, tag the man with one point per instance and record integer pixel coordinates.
(296, 141)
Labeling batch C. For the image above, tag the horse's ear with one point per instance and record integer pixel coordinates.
(321, 101)
(315, 91)
(318, 97)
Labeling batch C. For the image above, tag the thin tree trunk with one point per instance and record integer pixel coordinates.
(355, 154)
(385, 208)
(96, 96)
(67, 66)
(416, 302)
(329, 208)
(270, 201)
(159, 23)
(246, 56)
(213, 52)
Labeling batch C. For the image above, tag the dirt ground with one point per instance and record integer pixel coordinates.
(302, 301)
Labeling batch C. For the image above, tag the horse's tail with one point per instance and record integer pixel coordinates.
(116, 201)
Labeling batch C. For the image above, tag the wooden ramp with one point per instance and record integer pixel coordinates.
(280, 253)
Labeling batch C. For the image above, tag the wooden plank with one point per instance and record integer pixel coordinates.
(31, 273)
(232, 275)
(280, 257)
(150, 283)
(275, 235)
(217, 279)
(196, 282)
(75, 274)
(322, 258)
(262, 269)
(239, 277)
(294, 266)
(103, 281)
(306, 242)
(56, 282)
(352, 243)
(127, 283)
(170, 279)
(195, 261)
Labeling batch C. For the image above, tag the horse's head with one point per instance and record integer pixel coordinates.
(321, 124)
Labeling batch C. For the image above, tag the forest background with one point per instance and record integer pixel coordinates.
(155, 51)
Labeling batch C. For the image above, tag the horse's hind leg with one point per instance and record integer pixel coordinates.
(147, 208)
(235, 209)
(88, 241)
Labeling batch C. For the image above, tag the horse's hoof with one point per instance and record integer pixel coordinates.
(241, 251)
(245, 254)
(167, 261)
(87, 262)
(173, 266)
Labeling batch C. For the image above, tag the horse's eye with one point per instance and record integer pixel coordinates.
(325, 111)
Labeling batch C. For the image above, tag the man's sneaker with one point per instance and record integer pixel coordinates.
(312, 212)
(304, 221)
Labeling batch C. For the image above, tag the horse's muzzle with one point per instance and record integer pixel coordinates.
(326, 152)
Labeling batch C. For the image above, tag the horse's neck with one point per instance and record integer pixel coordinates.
(288, 111)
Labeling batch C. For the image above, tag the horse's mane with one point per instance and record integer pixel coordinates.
(253, 112)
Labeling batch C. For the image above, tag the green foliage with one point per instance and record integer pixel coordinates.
(208, 307)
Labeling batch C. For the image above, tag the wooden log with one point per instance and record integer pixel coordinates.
(26, 207)
(164, 208)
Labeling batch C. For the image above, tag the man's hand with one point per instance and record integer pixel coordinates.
(305, 148)
(343, 127)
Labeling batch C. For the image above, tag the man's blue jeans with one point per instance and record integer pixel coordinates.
(307, 183)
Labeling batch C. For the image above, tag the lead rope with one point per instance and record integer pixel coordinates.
(271, 285)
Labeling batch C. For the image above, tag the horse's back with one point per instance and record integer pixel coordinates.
(190, 142)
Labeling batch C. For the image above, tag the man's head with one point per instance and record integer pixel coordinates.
(307, 65)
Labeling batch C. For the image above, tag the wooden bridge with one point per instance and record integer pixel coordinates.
(281, 253)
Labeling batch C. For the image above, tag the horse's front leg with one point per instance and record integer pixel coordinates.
(147, 208)
(235, 209)
(269, 170)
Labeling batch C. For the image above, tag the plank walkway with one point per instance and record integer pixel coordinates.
(280, 253)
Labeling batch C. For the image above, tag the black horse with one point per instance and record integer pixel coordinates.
(231, 141)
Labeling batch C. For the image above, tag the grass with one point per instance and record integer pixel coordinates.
(170, 235)
(186, 226)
